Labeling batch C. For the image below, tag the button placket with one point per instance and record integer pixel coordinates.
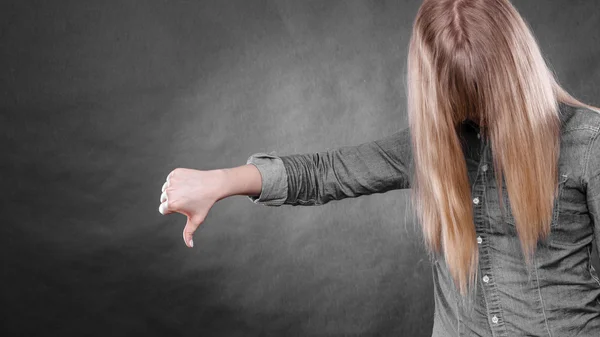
(489, 290)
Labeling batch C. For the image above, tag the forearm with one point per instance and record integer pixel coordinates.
(241, 180)
(317, 178)
(349, 171)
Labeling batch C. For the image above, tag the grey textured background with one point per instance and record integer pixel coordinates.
(100, 100)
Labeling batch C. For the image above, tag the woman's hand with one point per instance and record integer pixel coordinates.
(191, 193)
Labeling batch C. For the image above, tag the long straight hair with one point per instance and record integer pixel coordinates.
(478, 60)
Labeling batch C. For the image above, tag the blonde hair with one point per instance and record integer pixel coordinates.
(478, 60)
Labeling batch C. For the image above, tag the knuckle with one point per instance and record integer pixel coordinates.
(173, 204)
(177, 171)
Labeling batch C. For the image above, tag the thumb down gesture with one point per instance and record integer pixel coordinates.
(191, 193)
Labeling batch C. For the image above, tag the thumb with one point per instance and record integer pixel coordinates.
(188, 231)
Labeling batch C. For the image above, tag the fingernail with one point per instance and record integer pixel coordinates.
(163, 197)
(163, 207)
(191, 242)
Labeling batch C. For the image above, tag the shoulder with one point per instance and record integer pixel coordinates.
(580, 127)
(579, 118)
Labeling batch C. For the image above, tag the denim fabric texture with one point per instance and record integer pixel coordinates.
(274, 179)
(558, 295)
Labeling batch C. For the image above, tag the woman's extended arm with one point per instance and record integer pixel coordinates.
(300, 179)
(346, 172)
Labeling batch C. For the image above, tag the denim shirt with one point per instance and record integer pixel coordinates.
(558, 295)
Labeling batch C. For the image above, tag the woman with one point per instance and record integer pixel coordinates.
(504, 167)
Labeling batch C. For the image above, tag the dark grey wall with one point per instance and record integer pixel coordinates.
(100, 100)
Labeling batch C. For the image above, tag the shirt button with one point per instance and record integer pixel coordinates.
(479, 240)
(486, 279)
(495, 319)
(478, 135)
(476, 201)
(484, 167)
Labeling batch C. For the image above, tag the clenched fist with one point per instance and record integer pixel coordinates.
(191, 193)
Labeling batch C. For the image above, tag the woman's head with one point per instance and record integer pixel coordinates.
(478, 60)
